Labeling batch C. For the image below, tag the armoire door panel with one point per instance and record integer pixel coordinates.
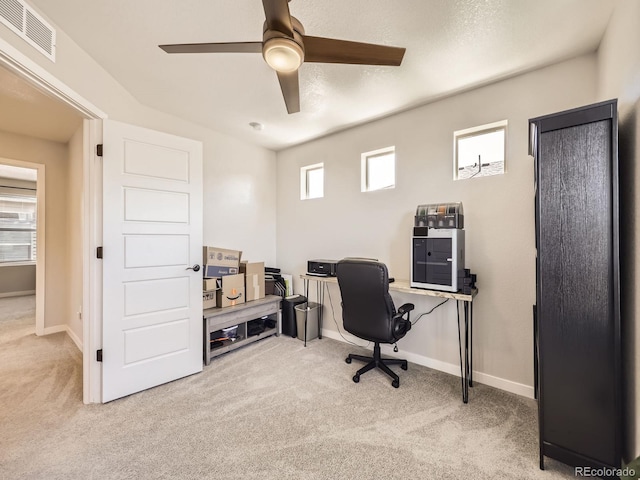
(577, 288)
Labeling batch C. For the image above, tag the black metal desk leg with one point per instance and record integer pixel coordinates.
(466, 349)
(463, 370)
(470, 343)
(306, 314)
(320, 294)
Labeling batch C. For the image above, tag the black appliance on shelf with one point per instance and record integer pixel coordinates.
(324, 268)
(577, 345)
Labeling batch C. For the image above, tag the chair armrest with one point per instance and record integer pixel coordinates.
(407, 307)
(402, 324)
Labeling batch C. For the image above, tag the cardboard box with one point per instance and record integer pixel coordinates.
(209, 284)
(231, 290)
(254, 280)
(254, 286)
(209, 299)
(216, 271)
(221, 257)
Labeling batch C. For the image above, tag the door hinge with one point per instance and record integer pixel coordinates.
(99, 252)
(99, 149)
(99, 355)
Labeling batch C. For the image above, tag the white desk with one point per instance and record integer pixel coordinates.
(403, 286)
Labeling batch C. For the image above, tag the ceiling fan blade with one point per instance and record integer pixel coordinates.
(331, 50)
(290, 90)
(232, 47)
(278, 16)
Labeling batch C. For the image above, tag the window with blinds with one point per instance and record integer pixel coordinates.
(17, 228)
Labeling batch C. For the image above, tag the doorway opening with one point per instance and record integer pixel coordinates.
(85, 308)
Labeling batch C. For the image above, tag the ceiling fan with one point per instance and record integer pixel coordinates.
(285, 47)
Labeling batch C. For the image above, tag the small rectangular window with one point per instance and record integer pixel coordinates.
(312, 181)
(17, 228)
(378, 169)
(480, 151)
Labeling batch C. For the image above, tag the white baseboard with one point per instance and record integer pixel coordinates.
(450, 368)
(17, 294)
(506, 385)
(54, 329)
(64, 328)
(75, 338)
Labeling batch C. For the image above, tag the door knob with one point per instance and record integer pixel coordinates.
(195, 268)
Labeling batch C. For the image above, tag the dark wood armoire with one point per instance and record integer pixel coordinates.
(577, 313)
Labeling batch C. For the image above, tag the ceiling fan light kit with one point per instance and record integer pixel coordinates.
(285, 47)
(283, 54)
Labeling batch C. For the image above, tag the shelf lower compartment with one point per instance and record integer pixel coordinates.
(228, 345)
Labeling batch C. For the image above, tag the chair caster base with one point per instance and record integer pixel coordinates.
(377, 362)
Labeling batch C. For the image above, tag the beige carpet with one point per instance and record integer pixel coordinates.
(272, 410)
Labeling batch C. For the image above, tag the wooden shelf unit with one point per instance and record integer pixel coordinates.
(216, 319)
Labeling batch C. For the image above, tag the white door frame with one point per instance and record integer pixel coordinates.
(40, 236)
(18, 63)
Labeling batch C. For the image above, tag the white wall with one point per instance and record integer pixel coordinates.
(499, 214)
(619, 77)
(75, 208)
(240, 201)
(17, 280)
(619, 58)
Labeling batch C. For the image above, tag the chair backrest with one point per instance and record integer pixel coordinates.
(367, 307)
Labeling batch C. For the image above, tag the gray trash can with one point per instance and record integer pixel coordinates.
(309, 312)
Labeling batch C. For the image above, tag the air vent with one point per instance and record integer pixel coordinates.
(39, 32)
(12, 14)
(23, 20)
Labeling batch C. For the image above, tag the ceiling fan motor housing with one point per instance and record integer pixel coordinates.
(284, 53)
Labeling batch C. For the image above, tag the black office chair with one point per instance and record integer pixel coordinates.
(368, 312)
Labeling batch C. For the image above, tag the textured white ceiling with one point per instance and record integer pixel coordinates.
(451, 45)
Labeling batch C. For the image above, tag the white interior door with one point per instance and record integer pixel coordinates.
(152, 234)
